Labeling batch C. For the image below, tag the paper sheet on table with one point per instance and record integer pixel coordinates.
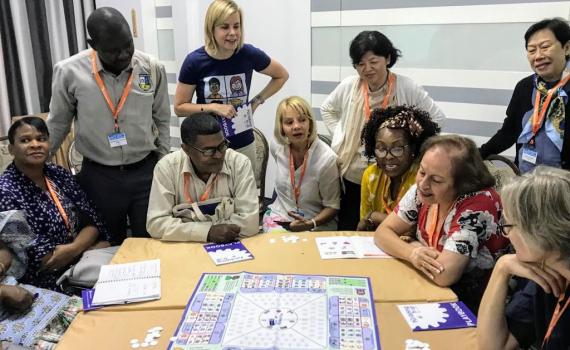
(355, 247)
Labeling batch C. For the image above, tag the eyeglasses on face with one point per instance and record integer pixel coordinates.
(505, 229)
(397, 151)
(210, 152)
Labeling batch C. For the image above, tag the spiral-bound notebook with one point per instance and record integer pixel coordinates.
(128, 283)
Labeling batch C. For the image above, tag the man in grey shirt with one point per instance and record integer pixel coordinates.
(117, 99)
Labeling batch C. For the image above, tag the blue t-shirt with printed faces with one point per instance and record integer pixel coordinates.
(224, 81)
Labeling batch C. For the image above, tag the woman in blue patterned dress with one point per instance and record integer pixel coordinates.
(57, 210)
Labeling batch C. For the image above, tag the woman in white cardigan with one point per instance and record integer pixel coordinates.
(348, 107)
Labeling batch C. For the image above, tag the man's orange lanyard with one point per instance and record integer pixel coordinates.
(58, 204)
(204, 195)
(384, 202)
(556, 316)
(539, 113)
(126, 90)
(391, 78)
(297, 189)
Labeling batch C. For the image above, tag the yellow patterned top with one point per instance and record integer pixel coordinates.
(376, 185)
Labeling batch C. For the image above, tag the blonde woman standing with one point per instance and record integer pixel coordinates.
(220, 73)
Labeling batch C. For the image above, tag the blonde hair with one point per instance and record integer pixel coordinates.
(299, 105)
(538, 203)
(218, 12)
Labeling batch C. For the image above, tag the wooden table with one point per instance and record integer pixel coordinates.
(182, 264)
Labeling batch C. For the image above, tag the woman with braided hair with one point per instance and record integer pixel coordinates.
(393, 136)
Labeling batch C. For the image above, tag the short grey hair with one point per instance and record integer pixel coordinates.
(538, 203)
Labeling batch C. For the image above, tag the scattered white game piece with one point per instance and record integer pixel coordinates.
(272, 240)
(150, 338)
(304, 239)
(290, 239)
(412, 344)
(172, 338)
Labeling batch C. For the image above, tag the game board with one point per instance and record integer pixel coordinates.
(276, 311)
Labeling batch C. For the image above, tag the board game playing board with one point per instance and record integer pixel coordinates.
(277, 311)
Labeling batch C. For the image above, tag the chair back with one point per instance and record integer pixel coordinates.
(74, 159)
(502, 169)
(5, 156)
(262, 155)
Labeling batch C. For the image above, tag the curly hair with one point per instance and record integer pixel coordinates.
(422, 120)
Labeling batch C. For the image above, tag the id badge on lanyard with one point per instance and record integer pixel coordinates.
(117, 139)
(529, 154)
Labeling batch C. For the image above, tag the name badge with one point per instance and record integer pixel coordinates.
(529, 155)
(117, 139)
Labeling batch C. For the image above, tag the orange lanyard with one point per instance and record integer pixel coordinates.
(384, 202)
(204, 195)
(297, 189)
(435, 227)
(556, 316)
(58, 204)
(126, 90)
(391, 78)
(539, 113)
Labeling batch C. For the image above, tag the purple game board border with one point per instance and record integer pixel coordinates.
(171, 343)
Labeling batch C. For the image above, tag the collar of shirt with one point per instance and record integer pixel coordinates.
(101, 68)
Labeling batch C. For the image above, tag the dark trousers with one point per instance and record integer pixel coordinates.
(119, 192)
(349, 214)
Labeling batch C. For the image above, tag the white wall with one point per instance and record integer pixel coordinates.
(281, 28)
(145, 39)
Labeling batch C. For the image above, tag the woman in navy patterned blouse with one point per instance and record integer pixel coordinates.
(56, 208)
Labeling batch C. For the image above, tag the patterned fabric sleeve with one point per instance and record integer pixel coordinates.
(474, 221)
(408, 207)
(7, 201)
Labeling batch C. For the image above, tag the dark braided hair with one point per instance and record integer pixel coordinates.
(419, 117)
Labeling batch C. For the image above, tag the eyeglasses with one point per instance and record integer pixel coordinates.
(209, 152)
(397, 151)
(505, 229)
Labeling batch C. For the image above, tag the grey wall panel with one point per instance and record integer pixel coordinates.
(441, 46)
